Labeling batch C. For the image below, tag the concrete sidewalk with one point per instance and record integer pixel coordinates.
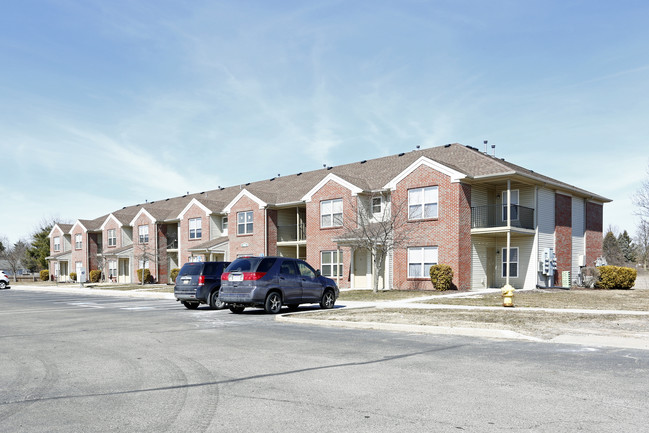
(603, 337)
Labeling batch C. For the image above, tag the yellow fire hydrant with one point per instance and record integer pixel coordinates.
(508, 296)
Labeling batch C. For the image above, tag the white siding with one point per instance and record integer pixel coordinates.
(578, 242)
(525, 247)
(545, 212)
(479, 250)
(215, 226)
(479, 196)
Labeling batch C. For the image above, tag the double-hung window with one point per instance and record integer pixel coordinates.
(331, 213)
(112, 270)
(331, 263)
(224, 224)
(112, 238)
(78, 243)
(244, 223)
(510, 260)
(195, 228)
(423, 203)
(420, 259)
(57, 243)
(143, 232)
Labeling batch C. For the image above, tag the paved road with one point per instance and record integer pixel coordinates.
(74, 363)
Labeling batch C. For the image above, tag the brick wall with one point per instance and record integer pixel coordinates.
(450, 232)
(249, 244)
(562, 235)
(78, 255)
(139, 249)
(594, 232)
(271, 224)
(321, 239)
(186, 243)
(163, 260)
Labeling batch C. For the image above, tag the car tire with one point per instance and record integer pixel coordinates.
(237, 309)
(273, 303)
(3, 284)
(328, 299)
(215, 302)
(190, 305)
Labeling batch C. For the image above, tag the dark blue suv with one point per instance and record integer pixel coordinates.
(199, 283)
(270, 282)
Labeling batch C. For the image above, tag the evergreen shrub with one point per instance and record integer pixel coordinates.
(616, 277)
(441, 276)
(45, 275)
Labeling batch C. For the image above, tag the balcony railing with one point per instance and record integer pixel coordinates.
(291, 233)
(496, 216)
(172, 242)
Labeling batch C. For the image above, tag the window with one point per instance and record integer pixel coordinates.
(288, 268)
(305, 270)
(78, 241)
(514, 195)
(224, 224)
(144, 234)
(112, 270)
(195, 228)
(331, 263)
(422, 203)
(112, 238)
(420, 259)
(377, 205)
(331, 213)
(513, 263)
(143, 263)
(244, 223)
(57, 243)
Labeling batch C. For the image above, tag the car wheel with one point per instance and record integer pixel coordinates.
(293, 307)
(3, 284)
(237, 309)
(328, 299)
(215, 302)
(190, 305)
(273, 303)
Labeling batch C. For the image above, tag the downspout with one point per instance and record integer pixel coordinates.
(155, 254)
(265, 231)
(509, 231)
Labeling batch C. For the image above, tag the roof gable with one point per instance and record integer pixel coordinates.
(108, 218)
(194, 202)
(80, 224)
(245, 193)
(331, 177)
(455, 175)
(142, 212)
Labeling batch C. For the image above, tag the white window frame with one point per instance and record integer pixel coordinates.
(111, 235)
(418, 256)
(380, 205)
(503, 254)
(57, 243)
(331, 263)
(515, 195)
(224, 224)
(423, 203)
(112, 270)
(143, 234)
(331, 213)
(245, 222)
(78, 241)
(143, 262)
(195, 228)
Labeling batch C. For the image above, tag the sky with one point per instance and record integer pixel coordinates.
(105, 104)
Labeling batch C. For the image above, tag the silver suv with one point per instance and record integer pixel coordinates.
(4, 280)
(270, 282)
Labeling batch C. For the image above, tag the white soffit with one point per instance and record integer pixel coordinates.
(453, 174)
(332, 177)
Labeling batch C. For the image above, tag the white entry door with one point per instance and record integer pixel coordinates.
(361, 280)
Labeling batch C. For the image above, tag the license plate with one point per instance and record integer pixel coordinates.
(235, 277)
(186, 281)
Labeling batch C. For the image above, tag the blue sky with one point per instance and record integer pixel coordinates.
(110, 103)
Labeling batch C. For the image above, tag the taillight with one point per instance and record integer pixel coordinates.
(224, 276)
(252, 276)
(201, 280)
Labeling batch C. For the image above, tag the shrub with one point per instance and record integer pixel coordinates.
(147, 276)
(441, 276)
(73, 276)
(173, 275)
(45, 275)
(616, 277)
(95, 276)
(589, 276)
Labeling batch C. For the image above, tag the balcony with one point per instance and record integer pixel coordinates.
(172, 242)
(291, 233)
(494, 216)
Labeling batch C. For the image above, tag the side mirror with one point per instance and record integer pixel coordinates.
(318, 273)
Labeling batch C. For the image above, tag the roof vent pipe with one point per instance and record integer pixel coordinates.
(493, 149)
(485, 146)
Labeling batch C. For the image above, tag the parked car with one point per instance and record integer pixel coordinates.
(270, 282)
(199, 283)
(4, 280)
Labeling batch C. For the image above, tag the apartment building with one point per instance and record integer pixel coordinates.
(492, 221)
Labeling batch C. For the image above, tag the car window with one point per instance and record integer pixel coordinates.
(191, 269)
(306, 270)
(265, 265)
(210, 269)
(288, 268)
(242, 264)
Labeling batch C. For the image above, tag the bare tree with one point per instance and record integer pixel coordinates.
(377, 233)
(144, 253)
(641, 198)
(14, 255)
(642, 243)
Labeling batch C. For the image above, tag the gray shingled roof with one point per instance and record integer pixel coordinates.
(369, 175)
(209, 244)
